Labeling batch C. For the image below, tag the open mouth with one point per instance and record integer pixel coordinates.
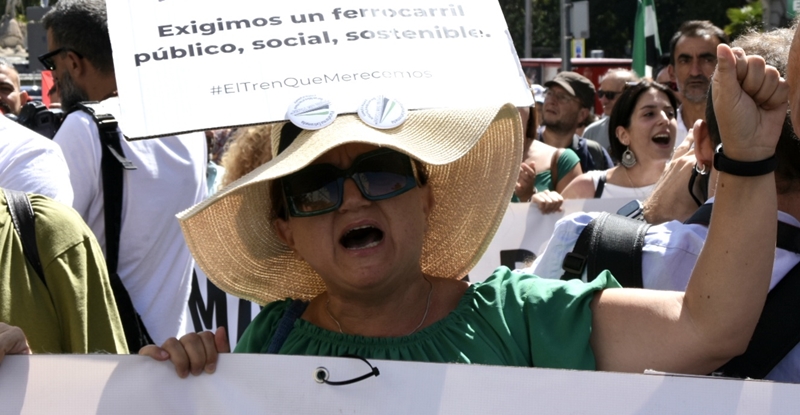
(662, 139)
(362, 237)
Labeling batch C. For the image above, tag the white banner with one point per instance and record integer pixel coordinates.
(188, 65)
(256, 384)
(522, 236)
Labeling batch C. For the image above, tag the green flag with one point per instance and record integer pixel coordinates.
(646, 44)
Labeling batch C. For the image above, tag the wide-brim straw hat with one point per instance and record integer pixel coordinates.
(472, 157)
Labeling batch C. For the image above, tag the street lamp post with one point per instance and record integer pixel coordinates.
(566, 36)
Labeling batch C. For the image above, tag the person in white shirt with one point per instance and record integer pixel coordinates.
(155, 265)
(31, 163)
(671, 249)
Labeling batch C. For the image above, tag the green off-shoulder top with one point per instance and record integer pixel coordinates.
(511, 319)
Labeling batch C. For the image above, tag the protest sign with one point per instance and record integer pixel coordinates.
(189, 65)
(106, 384)
(522, 235)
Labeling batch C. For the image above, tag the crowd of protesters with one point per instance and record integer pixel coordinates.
(113, 270)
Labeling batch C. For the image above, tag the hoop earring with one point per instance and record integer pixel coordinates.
(700, 169)
(628, 158)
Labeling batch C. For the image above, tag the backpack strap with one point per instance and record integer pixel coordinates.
(609, 242)
(554, 167)
(601, 184)
(598, 155)
(112, 164)
(24, 220)
(788, 237)
(778, 328)
(285, 325)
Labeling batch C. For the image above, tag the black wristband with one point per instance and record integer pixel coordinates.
(743, 168)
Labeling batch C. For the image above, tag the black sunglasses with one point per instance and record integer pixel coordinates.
(608, 94)
(319, 188)
(47, 58)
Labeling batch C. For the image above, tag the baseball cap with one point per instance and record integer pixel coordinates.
(576, 85)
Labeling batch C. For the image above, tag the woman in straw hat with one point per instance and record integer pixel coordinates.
(368, 231)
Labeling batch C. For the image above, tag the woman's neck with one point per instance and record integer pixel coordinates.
(406, 310)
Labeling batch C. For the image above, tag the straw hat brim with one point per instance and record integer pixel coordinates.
(472, 157)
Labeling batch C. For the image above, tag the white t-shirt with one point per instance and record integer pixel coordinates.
(154, 262)
(31, 163)
(613, 191)
(682, 131)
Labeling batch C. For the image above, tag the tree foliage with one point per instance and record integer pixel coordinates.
(611, 22)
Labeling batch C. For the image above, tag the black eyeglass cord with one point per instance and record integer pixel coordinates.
(691, 187)
(321, 374)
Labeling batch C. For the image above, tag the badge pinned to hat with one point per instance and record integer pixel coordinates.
(382, 112)
(311, 112)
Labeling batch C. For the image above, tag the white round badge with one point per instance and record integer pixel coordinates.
(311, 112)
(382, 112)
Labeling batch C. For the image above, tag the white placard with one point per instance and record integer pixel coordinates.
(188, 65)
(257, 384)
(524, 232)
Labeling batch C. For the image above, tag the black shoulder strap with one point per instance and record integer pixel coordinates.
(286, 324)
(778, 328)
(611, 242)
(788, 235)
(24, 223)
(601, 184)
(776, 334)
(112, 163)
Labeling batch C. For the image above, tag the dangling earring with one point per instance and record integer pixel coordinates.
(628, 158)
(700, 169)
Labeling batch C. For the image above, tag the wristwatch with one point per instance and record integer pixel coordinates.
(633, 209)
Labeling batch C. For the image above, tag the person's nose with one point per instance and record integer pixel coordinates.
(696, 69)
(352, 199)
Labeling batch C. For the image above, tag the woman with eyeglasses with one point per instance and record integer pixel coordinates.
(642, 128)
(356, 238)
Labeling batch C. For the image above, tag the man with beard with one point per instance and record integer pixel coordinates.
(11, 98)
(154, 263)
(569, 100)
(693, 57)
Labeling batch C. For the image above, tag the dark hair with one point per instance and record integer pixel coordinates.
(288, 134)
(695, 28)
(623, 111)
(82, 25)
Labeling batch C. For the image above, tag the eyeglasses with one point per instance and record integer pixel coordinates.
(319, 188)
(47, 58)
(609, 95)
(561, 97)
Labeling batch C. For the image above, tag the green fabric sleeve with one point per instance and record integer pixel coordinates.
(257, 336)
(566, 162)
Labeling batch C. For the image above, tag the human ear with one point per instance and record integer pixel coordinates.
(23, 97)
(622, 136)
(703, 146)
(284, 231)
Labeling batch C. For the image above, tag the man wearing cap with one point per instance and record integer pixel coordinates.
(611, 86)
(568, 100)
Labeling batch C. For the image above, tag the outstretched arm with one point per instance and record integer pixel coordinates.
(713, 321)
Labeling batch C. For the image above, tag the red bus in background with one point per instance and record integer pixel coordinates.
(541, 70)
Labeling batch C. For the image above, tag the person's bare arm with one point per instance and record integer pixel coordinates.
(580, 188)
(713, 321)
(564, 181)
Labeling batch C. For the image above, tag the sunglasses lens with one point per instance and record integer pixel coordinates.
(318, 189)
(313, 189)
(384, 175)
